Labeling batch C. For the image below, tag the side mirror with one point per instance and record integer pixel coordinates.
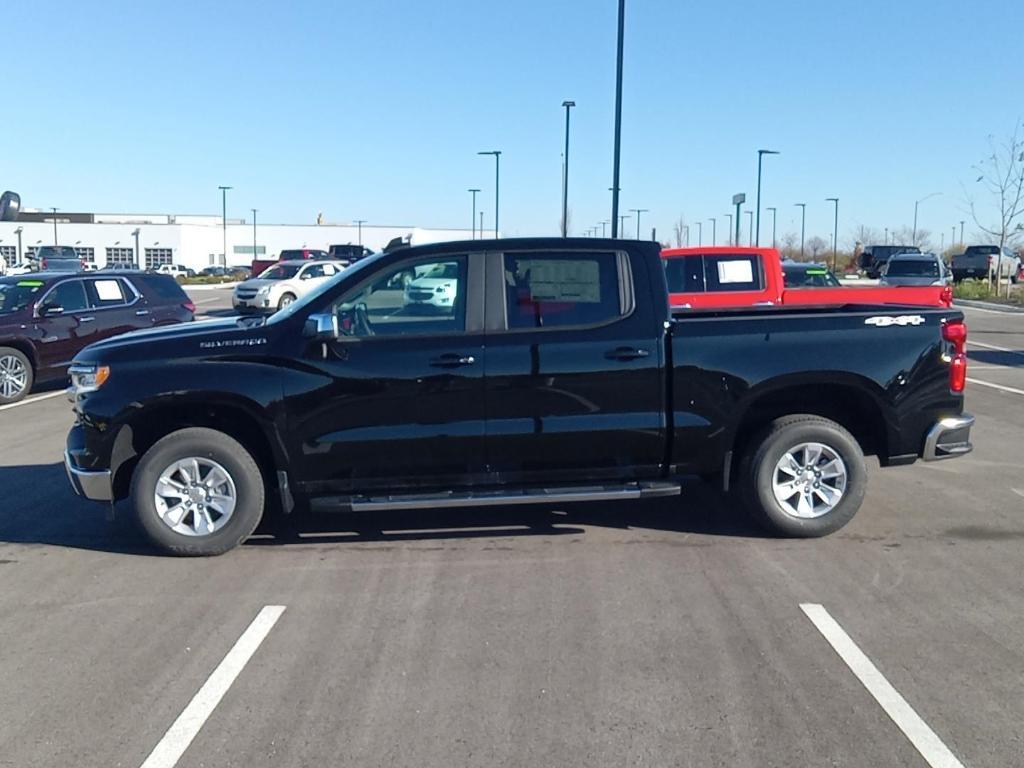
(10, 206)
(323, 325)
(305, 276)
(51, 310)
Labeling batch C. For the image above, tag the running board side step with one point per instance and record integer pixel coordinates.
(483, 498)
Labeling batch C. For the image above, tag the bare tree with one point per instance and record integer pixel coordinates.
(906, 236)
(1001, 174)
(679, 230)
(816, 245)
(790, 242)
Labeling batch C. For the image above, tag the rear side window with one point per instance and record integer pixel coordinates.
(732, 272)
(163, 286)
(106, 293)
(685, 275)
(547, 290)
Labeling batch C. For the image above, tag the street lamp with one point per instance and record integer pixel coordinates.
(565, 172)
(714, 231)
(913, 238)
(760, 154)
(750, 227)
(497, 180)
(138, 255)
(54, 225)
(835, 231)
(773, 210)
(359, 230)
(729, 229)
(602, 227)
(618, 118)
(472, 219)
(224, 221)
(254, 255)
(622, 223)
(738, 199)
(700, 232)
(638, 211)
(18, 233)
(803, 225)
(961, 231)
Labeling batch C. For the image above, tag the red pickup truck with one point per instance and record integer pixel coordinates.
(706, 278)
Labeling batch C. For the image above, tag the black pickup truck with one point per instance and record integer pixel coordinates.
(528, 371)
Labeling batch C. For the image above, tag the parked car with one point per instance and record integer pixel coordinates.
(874, 257)
(981, 260)
(281, 284)
(915, 269)
(704, 278)
(175, 270)
(46, 318)
(55, 258)
(571, 382)
(435, 289)
(288, 254)
(799, 274)
(348, 252)
(215, 271)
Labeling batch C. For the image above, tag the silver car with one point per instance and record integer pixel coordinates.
(915, 269)
(280, 285)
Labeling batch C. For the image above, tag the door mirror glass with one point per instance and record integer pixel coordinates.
(10, 205)
(321, 326)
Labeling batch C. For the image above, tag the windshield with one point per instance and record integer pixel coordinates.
(312, 296)
(443, 271)
(913, 268)
(280, 272)
(809, 277)
(16, 295)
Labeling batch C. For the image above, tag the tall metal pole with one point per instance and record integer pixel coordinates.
(886, 235)
(638, 211)
(760, 154)
(961, 231)
(729, 228)
(714, 231)
(472, 219)
(700, 232)
(803, 225)
(913, 237)
(622, 223)
(835, 231)
(565, 172)
(773, 210)
(359, 229)
(254, 255)
(481, 225)
(602, 227)
(618, 120)
(737, 241)
(224, 222)
(54, 225)
(750, 228)
(497, 185)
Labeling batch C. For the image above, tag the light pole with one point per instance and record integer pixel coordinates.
(729, 229)
(886, 235)
(622, 223)
(714, 231)
(18, 233)
(738, 199)
(359, 230)
(952, 236)
(687, 228)
(750, 228)
(54, 225)
(760, 154)
(638, 211)
(481, 225)
(913, 237)
(835, 231)
(803, 225)
(565, 172)
(472, 219)
(254, 255)
(773, 210)
(618, 118)
(700, 232)
(497, 181)
(224, 221)
(138, 255)
(961, 231)
(602, 227)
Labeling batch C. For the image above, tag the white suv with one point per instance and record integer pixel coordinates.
(175, 270)
(280, 285)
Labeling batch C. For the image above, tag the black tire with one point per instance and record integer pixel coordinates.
(767, 449)
(285, 300)
(18, 358)
(233, 457)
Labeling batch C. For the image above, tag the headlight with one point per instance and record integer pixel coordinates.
(87, 378)
(264, 290)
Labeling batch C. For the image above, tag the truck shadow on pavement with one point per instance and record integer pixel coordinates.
(42, 510)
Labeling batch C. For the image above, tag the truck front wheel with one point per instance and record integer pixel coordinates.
(803, 476)
(197, 492)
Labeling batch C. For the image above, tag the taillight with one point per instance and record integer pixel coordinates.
(189, 306)
(946, 295)
(956, 334)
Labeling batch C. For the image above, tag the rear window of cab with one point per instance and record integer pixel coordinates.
(714, 273)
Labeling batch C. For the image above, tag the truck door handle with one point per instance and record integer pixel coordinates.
(86, 319)
(626, 353)
(141, 312)
(452, 360)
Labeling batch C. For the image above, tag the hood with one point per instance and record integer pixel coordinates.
(256, 283)
(184, 340)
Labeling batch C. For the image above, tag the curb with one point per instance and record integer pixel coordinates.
(990, 305)
(188, 288)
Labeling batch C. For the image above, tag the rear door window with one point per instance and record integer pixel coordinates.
(109, 292)
(732, 272)
(549, 290)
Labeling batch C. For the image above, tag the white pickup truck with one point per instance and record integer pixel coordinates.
(981, 260)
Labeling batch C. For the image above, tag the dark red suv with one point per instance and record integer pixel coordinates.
(46, 318)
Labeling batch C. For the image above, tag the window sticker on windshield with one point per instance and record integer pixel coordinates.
(735, 272)
(108, 290)
(561, 279)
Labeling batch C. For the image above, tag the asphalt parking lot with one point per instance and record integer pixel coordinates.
(667, 632)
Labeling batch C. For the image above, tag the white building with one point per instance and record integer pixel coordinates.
(192, 241)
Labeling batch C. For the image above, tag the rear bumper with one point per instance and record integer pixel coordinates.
(96, 485)
(949, 438)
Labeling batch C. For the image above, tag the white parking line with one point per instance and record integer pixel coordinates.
(935, 753)
(174, 743)
(965, 308)
(1014, 390)
(30, 400)
(972, 343)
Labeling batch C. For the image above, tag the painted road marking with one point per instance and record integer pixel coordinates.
(1014, 390)
(174, 743)
(993, 346)
(935, 753)
(31, 400)
(965, 308)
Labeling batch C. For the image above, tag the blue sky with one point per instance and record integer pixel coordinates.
(375, 110)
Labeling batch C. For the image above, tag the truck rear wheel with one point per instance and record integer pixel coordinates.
(197, 492)
(803, 476)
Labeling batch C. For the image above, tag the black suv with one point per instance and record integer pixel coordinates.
(874, 257)
(46, 318)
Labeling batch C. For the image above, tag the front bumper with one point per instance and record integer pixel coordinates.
(96, 485)
(949, 438)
